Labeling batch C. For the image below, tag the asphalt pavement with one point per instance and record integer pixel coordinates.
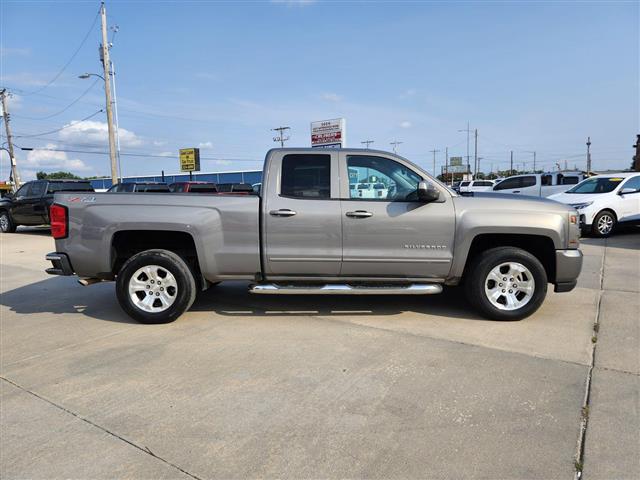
(249, 386)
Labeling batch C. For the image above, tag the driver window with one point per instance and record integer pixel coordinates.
(24, 190)
(378, 178)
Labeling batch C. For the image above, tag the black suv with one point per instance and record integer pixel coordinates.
(30, 204)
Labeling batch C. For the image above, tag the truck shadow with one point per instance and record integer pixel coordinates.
(63, 295)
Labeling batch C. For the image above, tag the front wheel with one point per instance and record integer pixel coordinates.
(155, 286)
(603, 224)
(506, 283)
(6, 224)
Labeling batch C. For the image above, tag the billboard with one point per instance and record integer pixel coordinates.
(190, 159)
(328, 133)
(455, 161)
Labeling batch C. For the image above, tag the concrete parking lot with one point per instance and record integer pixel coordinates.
(297, 387)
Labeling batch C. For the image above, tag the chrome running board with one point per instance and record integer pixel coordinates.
(340, 289)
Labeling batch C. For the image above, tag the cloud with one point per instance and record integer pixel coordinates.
(405, 124)
(159, 143)
(52, 160)
(331, 97)
(89, 131)
(205, 145)
(7, 51)
(167, 154)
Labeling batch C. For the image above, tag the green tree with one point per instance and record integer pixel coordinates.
(56, 176)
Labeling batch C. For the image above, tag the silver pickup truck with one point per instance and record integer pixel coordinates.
(344, 221)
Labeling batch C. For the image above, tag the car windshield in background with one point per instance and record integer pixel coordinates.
(597, 185)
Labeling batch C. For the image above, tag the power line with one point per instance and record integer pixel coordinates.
(281, 138)
(62, 128)
(93, 24)
(65, 108)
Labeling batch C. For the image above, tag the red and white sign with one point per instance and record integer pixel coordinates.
(328, 133)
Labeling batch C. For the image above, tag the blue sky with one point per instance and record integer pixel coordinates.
(529, 76)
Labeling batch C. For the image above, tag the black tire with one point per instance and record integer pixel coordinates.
(477, 274)
(185, 292)
(6, 223)
(604, 224)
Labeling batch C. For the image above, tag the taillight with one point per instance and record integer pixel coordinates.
(59, 221)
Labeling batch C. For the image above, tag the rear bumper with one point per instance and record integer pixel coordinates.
(568, 268)
(60, 264)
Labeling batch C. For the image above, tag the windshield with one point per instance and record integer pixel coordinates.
(597, 185)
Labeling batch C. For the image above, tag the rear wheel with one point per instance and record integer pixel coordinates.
(6, 224)
(603, 223)
(506, 283)
(155, 286)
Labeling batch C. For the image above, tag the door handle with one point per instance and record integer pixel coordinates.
(283, 212)
(359, 214)
(516, 191)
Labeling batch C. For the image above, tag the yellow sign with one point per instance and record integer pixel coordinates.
(190, 159)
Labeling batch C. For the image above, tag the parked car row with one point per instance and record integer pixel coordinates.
(30, 204)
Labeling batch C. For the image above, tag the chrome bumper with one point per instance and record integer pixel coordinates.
(568, 268)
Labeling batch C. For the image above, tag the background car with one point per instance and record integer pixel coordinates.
(605, 201)
(480, 186)
(142, 187)
(193, 187)
(30, 204)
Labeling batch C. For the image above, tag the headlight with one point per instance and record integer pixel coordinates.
(579, 206)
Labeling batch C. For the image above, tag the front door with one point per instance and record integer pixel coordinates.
(301, 215)
(387, 232)
(27, 208)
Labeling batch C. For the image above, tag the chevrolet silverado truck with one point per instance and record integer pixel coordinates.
(310, 232)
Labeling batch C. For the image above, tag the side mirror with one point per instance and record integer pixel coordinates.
(427, 192)
(626, 191)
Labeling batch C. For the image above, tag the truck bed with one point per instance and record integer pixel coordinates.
(224, 229)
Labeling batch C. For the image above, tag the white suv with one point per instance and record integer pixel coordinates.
(603, 201)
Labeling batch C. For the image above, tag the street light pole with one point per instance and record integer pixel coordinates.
(106, 64)
(12, 158)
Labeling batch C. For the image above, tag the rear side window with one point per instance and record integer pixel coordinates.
(482, 184)
(509, 183)
(569, 180)
(528, 181)
(37, 189)
(306, 176)
(69, 187)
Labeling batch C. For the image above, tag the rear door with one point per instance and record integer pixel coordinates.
(392, 234)
(301, 215)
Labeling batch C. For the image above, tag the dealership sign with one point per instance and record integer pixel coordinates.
(190, 159)
(328, 133)
(455, 161)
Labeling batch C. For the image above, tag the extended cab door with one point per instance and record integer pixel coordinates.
(387, 232)
(27, 204)
(301, 215)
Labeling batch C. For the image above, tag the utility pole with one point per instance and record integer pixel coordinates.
(12, 159)
(281, 138)
(468, 132)
(511, 168)
(106, 64)
(636, 157)
(434, 151)
(534, 162)
(446, 164)
(475, 154)
(366, 143)
(588, 155)
(395, 144)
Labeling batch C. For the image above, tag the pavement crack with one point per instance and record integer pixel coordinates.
(584, 411)
(144, 449)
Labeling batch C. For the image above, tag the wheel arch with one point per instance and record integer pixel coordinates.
(126, 243)
(540, 246)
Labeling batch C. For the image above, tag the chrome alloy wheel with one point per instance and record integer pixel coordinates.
(605, 224)
(4, 222)
(509, 286)
(153, 288)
